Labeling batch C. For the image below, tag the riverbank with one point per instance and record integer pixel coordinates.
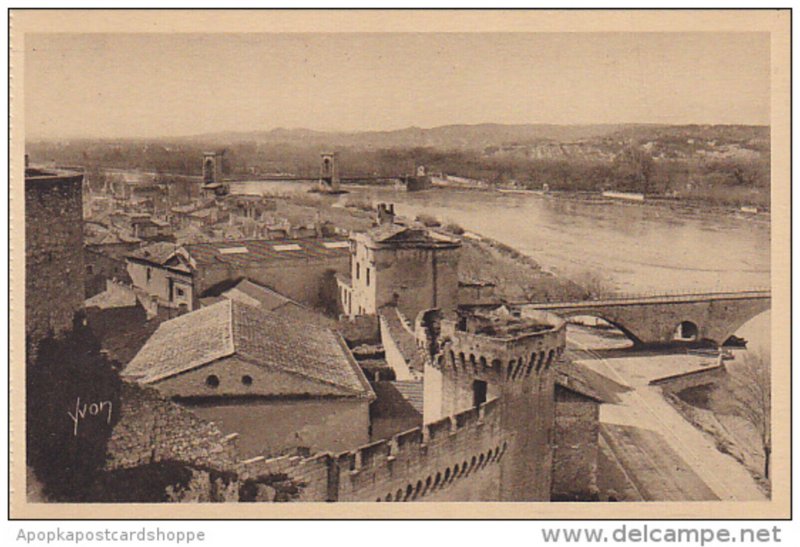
(715, 205)
(516, 277)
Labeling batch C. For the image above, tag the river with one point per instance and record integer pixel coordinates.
(635, 248)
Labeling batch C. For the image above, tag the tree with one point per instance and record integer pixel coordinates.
(72, 404)
(634, 167)
(746, 393)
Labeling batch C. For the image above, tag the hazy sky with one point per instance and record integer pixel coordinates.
(149, 85)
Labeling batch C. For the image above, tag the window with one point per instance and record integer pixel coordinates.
(336, 244)
(288, 247)
(212, 381)
(149, 274)
(179, 292)
(247, 380)
(367, 277)
(233, 250)
(358, 270)
(478, 392)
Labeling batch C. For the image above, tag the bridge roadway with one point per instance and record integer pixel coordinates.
(650, 299)
(667, 318)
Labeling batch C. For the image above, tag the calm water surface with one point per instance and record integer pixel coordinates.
(637, 249)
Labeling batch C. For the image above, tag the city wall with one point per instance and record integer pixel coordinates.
(576, 447)
(694, 378)
(454, 459)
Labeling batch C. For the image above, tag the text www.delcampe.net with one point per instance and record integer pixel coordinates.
(661, 534)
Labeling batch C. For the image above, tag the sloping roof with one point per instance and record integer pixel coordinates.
(411, 392)
(398, 234)
(157, 253)
(243, 253)
(391, 402)
(257, 295)
(262, 338)
(111, 299)
(253, 294)
(184, 343)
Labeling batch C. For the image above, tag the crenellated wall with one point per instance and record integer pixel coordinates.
(454, 459)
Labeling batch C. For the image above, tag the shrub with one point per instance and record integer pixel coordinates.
(454, 228)
(428, 220)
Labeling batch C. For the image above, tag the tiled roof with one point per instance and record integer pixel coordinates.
(262, 338)
(184, 343)
(391, 402)
(249, 252)
(411, 392)
(253, 294)
(158, 253)
(257, 295)
(397, 234)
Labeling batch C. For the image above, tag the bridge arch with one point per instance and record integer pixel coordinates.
(686, 331)
(606, 319)
(755, 329)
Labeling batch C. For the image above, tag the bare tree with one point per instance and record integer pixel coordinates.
(746, 393)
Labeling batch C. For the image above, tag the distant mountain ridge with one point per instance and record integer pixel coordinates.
(480, 136)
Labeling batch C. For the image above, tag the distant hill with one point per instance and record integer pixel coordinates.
(481, 136)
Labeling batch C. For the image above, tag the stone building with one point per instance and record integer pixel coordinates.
(409, 267)
(278, 382)
(163, 273)
(480, 406)
(301, 269)
(151, 228)
(54, 262)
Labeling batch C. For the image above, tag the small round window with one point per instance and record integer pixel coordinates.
(212, 381)
(247, 380)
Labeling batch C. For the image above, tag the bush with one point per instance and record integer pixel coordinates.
(428, 221)
(454, 228)
(595, 286)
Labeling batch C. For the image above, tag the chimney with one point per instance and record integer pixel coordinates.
(385, 213)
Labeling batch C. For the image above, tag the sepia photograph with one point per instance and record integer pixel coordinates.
(271, 259)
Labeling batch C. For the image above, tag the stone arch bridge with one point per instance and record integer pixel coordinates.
(655, 320)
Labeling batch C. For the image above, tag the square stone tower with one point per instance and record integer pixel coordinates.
(329, 172)
(410, 267)
(476, 355)
(211, 167)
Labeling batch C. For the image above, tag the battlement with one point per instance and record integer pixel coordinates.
(505, 348)
(423, 463)
(459, 454)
